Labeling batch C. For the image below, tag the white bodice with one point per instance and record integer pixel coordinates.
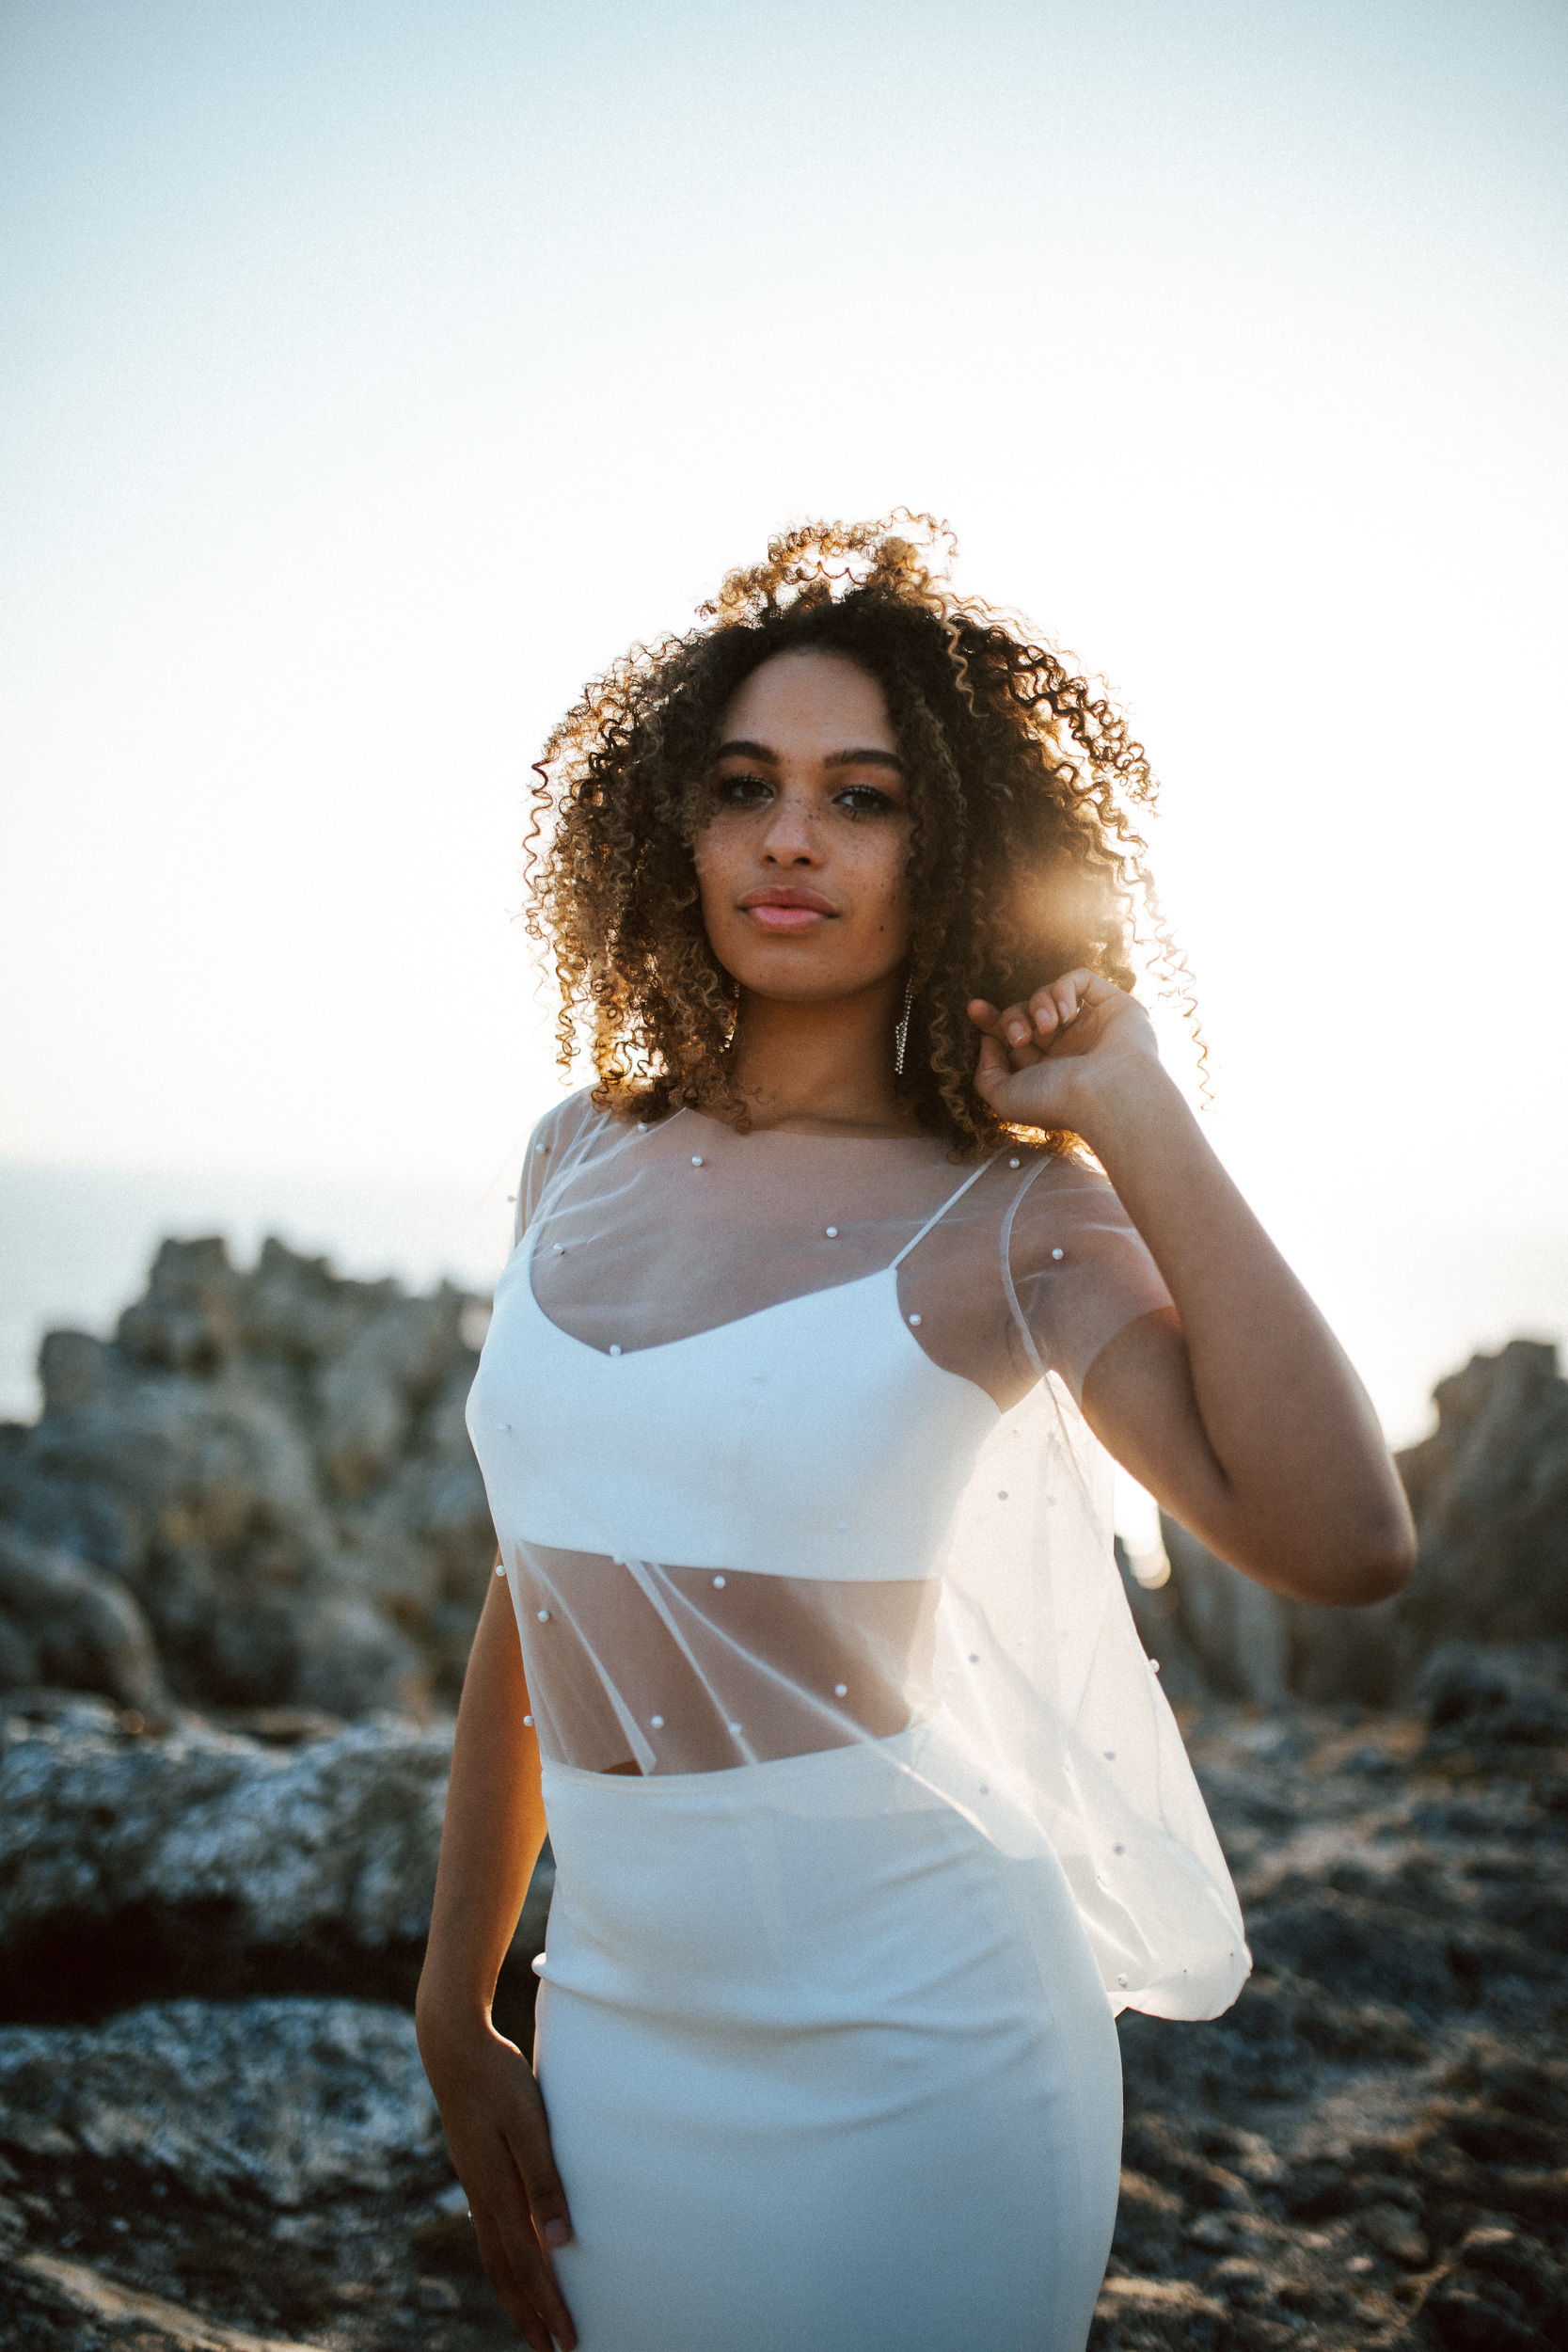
(814, 1437)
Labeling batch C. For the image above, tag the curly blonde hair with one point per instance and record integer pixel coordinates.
(1024, 858)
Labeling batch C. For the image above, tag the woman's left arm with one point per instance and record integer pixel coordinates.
(1238, 1411)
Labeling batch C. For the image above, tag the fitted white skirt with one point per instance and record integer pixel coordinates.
(826, 2069)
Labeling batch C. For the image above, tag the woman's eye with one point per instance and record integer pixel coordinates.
(739, 789)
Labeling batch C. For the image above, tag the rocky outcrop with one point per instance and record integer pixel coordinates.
(61, 1622)
(276, 2102)
(1370, 2149)
(254, 2176)
(212, 2129)
(261, 2166)
(1489, 1492)
(267, 1474)
(198, 1862)
(137, 1864)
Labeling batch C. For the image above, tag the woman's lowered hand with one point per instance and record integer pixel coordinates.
(501, 2145)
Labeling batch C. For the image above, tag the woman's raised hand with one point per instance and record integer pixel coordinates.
(501, 2145)
(1044, 1061)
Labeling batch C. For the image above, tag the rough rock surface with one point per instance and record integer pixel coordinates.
(61, 1622)
(267, 1474)
(139, 1864)
(1489, 1492)
(1371, 2149)
(252, 2173)
(281, 2102)
(135, 1865)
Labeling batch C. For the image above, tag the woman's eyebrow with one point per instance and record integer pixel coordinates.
(861, 756)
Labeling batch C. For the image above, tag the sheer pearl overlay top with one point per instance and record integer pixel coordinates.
(780, 1438)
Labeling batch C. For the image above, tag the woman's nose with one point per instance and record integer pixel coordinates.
(791, 835)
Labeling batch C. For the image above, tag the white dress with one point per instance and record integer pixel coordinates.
(798, 1518)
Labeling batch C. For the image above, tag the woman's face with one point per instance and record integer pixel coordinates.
(801, 867)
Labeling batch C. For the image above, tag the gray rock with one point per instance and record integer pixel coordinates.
(220, 1533)
(275, 1466)
(371, 1393)
(281, 2101)
(18, 1654)
(1493, 1701)
(75, 1370)
(1370, 2149)
(1489, 1490)
(257, 2176)
(61, 1622)
(137, 1864)
(1237, 1630)
(187, 1321)
(1489, 1494)
(207, 1863)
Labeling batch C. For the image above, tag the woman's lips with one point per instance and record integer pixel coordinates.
(786, 907)
(776, 918)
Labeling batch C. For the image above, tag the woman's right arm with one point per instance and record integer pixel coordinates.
(483, 2085)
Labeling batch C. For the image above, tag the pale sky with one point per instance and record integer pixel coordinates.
(374, 371)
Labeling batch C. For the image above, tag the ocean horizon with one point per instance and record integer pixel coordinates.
(1410, 1305)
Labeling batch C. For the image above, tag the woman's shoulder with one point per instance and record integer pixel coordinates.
(566, 1121)
(561, 1139)
(1061, 1190)
(575, 1130)
(1054, 1169)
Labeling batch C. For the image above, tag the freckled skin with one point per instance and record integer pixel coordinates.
(812, 799)
(841, 830)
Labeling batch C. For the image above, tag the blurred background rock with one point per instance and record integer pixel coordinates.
(260, 1493)
(1489, 1492)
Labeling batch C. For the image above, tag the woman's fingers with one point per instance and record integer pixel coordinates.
(504, 2287)
(1013, 1029)
(514, 2270)
(1030, 1028)
(521, 2270)
(552, 2224)
(1030, 1051)
(992, 1064)
(529, 2140)
(1054, 1007)
(546, 2203)
(500, 2142)
(527, 2216)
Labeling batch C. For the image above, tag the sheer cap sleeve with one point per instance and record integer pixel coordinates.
(1081, 1270)
(550, 1139)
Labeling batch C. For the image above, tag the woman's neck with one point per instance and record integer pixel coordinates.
(821, 1067)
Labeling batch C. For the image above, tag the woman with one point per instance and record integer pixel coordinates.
(867, 1811)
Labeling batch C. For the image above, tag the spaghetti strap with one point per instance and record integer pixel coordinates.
(950, 1202)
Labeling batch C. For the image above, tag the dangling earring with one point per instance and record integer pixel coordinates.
(901, 1029)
